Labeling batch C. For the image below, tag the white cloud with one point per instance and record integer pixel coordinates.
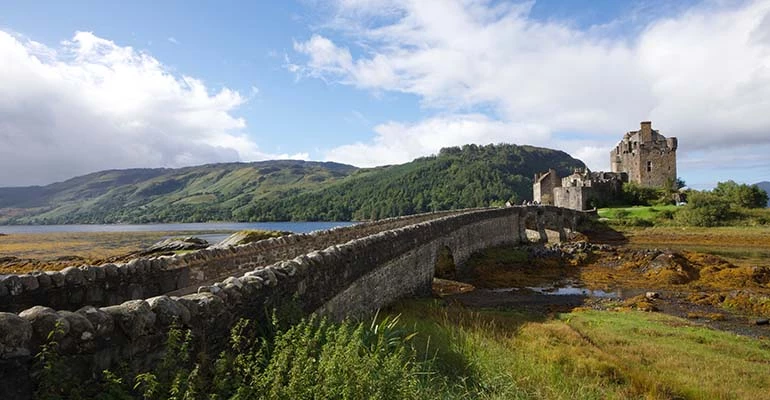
(173, 40)
(92, 104)
(702, 75)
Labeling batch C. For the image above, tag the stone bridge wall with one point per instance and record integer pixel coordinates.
(348, 279)
(110, 284)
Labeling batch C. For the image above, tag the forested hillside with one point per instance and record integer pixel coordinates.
(471, 176)
(193, 194)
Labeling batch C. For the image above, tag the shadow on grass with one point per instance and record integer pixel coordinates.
(449, 334)
(599, 232)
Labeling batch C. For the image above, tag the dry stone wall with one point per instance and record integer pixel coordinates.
(348, 278)
(111, 284)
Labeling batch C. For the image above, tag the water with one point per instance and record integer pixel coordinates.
(296, 227)
(567, 290)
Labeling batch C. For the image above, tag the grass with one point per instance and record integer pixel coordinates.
(638, 215)
(586, 355)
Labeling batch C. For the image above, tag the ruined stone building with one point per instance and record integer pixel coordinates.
(648, 157)
(644, 157)
(580, 191)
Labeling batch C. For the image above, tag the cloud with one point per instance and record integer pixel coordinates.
(702, 74)
(173, 40)
(91, 104)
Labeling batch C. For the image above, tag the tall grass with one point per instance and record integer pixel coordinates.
(425, 349)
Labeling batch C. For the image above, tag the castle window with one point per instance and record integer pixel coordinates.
(649, 166)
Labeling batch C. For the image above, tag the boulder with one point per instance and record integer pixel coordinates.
(249, 236)
(177, 244)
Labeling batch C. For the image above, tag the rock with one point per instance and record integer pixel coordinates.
(43, 321)
(73, 276)
(249, 236)
(81, 328)
(15, 334)
(101, 321)
(57, 279)
(29, 282)
(13, 285)
(762, 321)
(134, 317)
(89, 272)
(110, 270)
(652, 295)
(168, 311)
(209, 306)
(177, 244)
(43, 280)
(671, 268)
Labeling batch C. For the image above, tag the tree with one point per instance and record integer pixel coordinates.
(741, 195)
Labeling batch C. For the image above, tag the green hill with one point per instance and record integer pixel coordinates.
(203, 193)
(471, 176)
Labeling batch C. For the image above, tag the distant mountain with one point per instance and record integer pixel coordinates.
(765, 185)
(458, 177)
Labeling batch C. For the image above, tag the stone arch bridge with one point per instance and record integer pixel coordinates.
(119, 312)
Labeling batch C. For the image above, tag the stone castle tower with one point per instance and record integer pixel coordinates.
(646, 156)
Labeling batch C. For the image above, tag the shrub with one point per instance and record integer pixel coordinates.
(741, 196)
(636, 195)
(705, 209)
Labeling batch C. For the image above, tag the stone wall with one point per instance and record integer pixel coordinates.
(111, 284)
(542, 188)
(349, 278)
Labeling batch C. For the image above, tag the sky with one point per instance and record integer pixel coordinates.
(93, 85)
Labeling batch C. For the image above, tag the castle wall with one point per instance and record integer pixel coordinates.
(543, 187)
(573, 197)
(346, 279)
(648, 157)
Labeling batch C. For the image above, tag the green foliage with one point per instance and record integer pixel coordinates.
(636, 195)
(741, 195)
(51, 370)
(728, 203)
(311, 359)
(705, 209)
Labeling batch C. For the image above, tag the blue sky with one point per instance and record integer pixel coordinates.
(98, 85)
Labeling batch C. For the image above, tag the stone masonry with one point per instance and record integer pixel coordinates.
(648, 157)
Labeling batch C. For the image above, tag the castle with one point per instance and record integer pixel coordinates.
(644, 157)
